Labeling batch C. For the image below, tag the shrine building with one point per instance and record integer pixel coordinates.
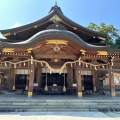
(55, 55)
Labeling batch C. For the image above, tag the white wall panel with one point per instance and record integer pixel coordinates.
(86, 72)
(48, 71)
(22, 71)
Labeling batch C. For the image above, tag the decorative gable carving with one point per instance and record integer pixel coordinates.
(57, 25)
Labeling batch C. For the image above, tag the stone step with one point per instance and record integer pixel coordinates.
(111, 100)
(54, 110)
(43, 110)
(32, 107)
(60, 101)
(59, 105)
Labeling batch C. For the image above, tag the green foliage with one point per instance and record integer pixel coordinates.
(113, 37)
(117, 44)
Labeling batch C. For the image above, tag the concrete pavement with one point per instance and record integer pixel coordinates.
(60, 116)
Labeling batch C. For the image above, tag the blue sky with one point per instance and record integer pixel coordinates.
(20, 12)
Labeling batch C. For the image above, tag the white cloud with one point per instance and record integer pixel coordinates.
(13, 26)
(16, 25)
(1, 36)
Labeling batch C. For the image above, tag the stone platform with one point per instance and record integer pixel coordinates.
(61, 103)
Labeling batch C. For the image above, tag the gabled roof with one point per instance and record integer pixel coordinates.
(53, 34)
(26, 31)
(57, 35)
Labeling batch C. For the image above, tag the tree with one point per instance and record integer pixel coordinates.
(117, 43)
(111, 32)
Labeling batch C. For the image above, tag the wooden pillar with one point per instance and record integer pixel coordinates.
(75, 75)
(95, 77)
(79, 83)
(31, 79)
(70, 76)
(11, 78)
(111, 82)
(39, 76)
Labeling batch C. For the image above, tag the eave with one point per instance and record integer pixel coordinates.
(53, 34)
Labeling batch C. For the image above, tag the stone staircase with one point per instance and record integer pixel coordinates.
(59, 105)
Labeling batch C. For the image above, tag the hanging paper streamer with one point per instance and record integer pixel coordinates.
(24, 63)
(41, 64)
(112, 63)
(103, 66)
(50, 72)
(60, 72)
(86, 65)
(14, 65)
(31, 60)
(5, 64)
(95, 68)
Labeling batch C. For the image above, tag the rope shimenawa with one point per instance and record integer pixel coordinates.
(52, 69)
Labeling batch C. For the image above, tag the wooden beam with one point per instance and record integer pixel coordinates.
(94, 58)
(56, 56)
(15, 54)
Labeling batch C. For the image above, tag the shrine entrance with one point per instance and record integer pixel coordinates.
(88, 83)
(54, 79)
(55, 82)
